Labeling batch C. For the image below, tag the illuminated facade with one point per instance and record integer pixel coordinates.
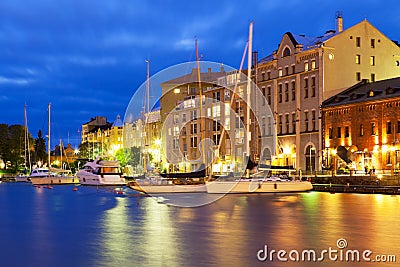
(305, 71)
(109, 137)
(361, 127)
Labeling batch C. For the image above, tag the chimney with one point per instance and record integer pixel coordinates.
(339, 22)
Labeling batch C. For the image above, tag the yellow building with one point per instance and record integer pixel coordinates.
(304, 71)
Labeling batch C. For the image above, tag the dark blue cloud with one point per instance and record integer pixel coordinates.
(88, 57)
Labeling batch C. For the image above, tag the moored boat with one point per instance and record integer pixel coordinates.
(44, 176)
(156, 184)
(101, 171)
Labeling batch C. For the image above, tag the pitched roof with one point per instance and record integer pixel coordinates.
(365, 91)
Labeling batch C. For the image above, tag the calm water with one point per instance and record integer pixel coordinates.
(90, 227)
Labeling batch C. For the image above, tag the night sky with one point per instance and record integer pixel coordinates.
(87, 57)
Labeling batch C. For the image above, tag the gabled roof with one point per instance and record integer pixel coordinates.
(192, 77)
(118, 122)
(365, 91)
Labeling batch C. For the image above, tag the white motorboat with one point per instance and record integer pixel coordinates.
(101, 171)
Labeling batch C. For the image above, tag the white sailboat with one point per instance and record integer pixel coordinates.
(48, 176)
(254, 185)
(154, 183)
(27, 155)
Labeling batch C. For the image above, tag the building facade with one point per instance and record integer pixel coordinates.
(361, 127)
(305, 71)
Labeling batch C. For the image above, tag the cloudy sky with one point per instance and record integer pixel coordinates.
(87, 57)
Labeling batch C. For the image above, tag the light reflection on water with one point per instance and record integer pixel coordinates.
(97, 228)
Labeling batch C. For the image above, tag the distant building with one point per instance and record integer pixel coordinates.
(304, 71)
(63, 156)
(361, 127)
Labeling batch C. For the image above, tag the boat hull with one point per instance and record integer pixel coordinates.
(86, 178)
(54, 180)
(254, 186)
(24, 179)
(158, 185)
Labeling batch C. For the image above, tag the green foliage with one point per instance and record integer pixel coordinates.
(40, 148)
(90, 150)
(122, 156)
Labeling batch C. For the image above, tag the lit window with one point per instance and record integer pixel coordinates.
(306, 66)
(358, 59)
(372, 60)
(313, 65)
(280, 72)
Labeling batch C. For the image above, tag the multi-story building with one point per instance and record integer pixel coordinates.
(305, 71)
(109, 137)
(361, 127)
(62, 156)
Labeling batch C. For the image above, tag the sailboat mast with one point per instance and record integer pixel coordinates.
(146, 107)
(48, 141)
(202, 127)
(26, 140)
(248, 99)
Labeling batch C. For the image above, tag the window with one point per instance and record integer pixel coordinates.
(269, 75)
(330, 133)
(373, 128)
(280, 93)
(269, 95)
(372, 77)
(286, 92)
(216, 96)
(293, 90)
(389, 127)
(193, 129)
(293, 122)
(286, 52)
(280, 72)
(280, 124)
(263, 76)
(263, 92)
(286, 70)
(361, 130)
(372, 60)
(305, 66)
(346, 131)
(287, 123)
(358, 42)
(192, 90)
(313, 64)
(313, 120)
(398, 126)
(193, 141)
(306, 88)
(312, 86)
(306, 120)
(339, 132)
(293, 69)
(358, 76)
(372, 43)
(358, 59)
(269, 125)
(184, 117)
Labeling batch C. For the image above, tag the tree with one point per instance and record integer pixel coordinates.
(16, 139)
(40, 148)
(89, 150)
(4, 145)
(122, 156)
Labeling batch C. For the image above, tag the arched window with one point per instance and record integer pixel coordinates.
(310, 158)
(286, 52)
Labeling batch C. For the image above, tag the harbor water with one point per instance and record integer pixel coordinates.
(98, 227)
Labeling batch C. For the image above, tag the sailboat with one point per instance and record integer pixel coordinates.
(49, 176)
(256, 184)
(27, 156)
(155, 183)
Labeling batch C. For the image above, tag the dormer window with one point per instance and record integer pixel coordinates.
(371, 93)
(286, 52)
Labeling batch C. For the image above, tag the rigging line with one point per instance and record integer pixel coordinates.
(234, 91)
